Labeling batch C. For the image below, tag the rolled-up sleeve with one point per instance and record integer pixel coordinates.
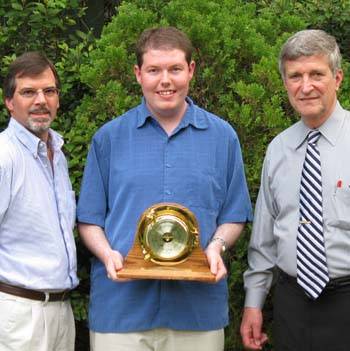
(236, 206)
(92, 204)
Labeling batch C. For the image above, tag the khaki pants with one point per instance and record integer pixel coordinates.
(28, 325)
(160, 339)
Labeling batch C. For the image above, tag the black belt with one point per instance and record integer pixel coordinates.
(333, 284)
(34, 294)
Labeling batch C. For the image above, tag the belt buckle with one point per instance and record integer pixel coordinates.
(64, 295)
(47, 297)
(338, 283)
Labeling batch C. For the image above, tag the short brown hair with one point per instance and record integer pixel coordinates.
(28, 64)
(163, 38)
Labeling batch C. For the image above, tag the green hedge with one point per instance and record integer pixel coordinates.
(236, 48)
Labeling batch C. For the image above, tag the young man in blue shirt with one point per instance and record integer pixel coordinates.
(167, 149)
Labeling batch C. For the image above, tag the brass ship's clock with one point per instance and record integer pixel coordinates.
(168, 233)
(167, 246)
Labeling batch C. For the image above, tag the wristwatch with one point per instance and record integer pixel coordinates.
(221, 241)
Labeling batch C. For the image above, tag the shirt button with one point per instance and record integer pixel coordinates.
(168, 192)
(168, 165)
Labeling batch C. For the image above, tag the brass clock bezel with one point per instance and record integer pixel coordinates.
(181, 216)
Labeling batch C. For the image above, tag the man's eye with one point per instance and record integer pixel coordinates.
(28, 92)
(294, 76)
(50, 91)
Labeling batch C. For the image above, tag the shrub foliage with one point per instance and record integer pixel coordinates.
(236, 47)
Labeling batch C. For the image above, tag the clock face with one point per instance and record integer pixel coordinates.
(168, 233)
(167, 238)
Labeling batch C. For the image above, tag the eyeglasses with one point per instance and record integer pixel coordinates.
(29, 93)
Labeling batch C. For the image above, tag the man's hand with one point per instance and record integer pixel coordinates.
(229, 233)
(95, 240)
(216, 263)
(252, 337)
(113, 261)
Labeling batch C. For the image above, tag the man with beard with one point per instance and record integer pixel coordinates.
(37, 215)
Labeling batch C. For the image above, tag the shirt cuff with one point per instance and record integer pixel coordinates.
(255, 298)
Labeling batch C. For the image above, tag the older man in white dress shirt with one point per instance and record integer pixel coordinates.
(37, 215)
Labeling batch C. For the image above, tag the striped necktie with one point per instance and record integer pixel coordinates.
(312, 271)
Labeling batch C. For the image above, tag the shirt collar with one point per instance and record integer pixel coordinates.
(31, 141)
(330, 129)
(191, 116)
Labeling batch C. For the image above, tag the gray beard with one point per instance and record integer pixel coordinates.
(40, 126)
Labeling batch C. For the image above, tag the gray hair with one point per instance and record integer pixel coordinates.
(310, 42)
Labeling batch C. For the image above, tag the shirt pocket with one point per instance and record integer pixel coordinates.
(205, 189)
(342, 208)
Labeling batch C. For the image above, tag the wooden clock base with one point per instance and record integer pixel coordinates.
(194, 268)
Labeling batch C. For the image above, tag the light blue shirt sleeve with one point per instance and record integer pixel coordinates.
(5, 193)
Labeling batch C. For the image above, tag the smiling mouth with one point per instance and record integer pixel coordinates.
(166, 92)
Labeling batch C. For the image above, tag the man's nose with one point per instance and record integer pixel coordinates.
(40, 97)
(165, 79)
(306, 85)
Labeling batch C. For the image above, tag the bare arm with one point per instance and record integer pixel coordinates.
(229, 232)
(95, 240)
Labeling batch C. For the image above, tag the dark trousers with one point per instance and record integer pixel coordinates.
(302, 324)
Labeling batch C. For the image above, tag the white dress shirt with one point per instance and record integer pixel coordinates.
(37, 213)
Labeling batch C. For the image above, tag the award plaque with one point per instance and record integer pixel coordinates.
(167, 246)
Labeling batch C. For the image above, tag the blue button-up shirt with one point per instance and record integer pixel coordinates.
(37, 213)
(133, 164)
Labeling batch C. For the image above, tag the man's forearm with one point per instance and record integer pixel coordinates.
(95, 240)
(228, 232)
